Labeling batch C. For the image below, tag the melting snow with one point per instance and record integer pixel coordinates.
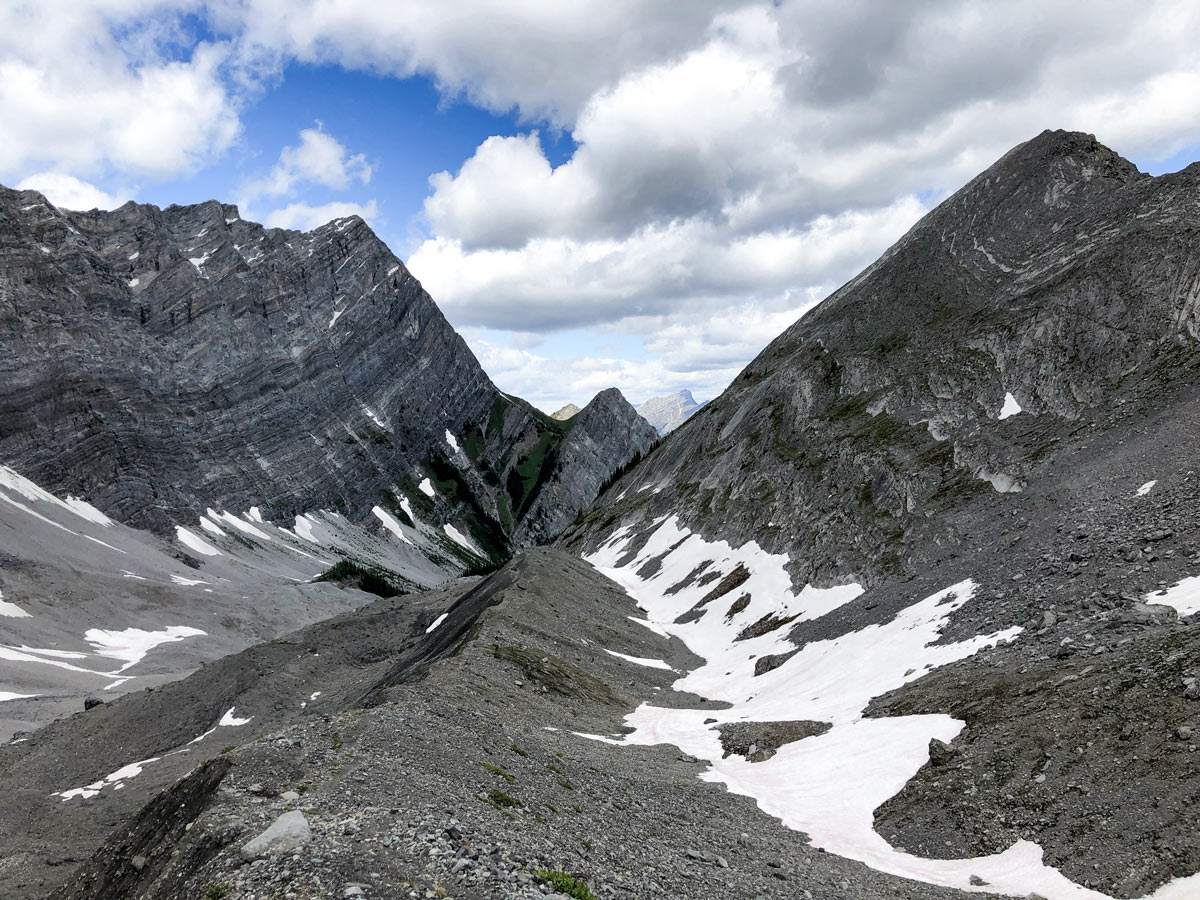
(199, 261)
(451, 441)
(461, 539)
(426, 487)
(827, 786)
(1146, 488)
(229, 720)
(337, 314)
(304, 529)
(10, 480)
(243, 526)
(135, 254)
(209, 523)
(406, 506)
(132, 644)
(255, 515)
(641, 661)
(314, 695)
(374, 418)
(389, 523)
(187, 582)
(1010, 408)
(9, 695)
(116, 780)
(1183, 597)
(11, 609)
(134, 282)
(193, 541)
(436, 622)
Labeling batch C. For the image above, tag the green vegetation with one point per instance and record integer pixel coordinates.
(496, 770)
(501, 800)
(217, 891)
(518, 750)
(228, 748)
(453, 489)
(372, 579)
(336, 741)
(567, 883)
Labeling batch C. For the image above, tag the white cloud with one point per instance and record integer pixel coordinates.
(545, 57)
(303, 217)
(319, 159)
(69, 192)
(73, 96)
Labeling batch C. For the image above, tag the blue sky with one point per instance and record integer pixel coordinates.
(639, 193)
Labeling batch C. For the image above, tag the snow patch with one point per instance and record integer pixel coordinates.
(426, 488)
(199, 261)
(374, 418)
(135, 254)
(406, 506)
(12, 481)
(1010, 408)
(827, 786)
(194, 542)
(1183, 597)
(134, 282)
(115, 780)
(187, 582)
(641, 661)
(461, 539)
(389, 523)
(11, 610)
(9, 695)
(337, 314)
(229, 720)
(1146, 488)
(304, 529)
(451, 441)
(132, 644)
(436, 622)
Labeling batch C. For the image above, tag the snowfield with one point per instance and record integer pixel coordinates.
(829, 785)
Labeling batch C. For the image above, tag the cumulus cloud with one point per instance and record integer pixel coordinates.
(69, 192)
(761, 165)
(733, 157)
(304, 217)
(74, 96)
(544, 57)
(319, 159)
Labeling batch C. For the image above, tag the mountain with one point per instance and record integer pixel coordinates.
(910, 610)
(973, 455)
(161, 362)
(669, 412)
(566, 412)
(245, 410)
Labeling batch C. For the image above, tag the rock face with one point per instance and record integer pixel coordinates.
(1041, 285)
(162, 361)
(669, 412)
(565, 413)
(999, 413)
(605, 431)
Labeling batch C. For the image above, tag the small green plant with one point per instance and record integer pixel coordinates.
(336, 740)
(501, 800)
(228, 748)
(496, 770)
(216, 891)
(566, 883)
(519, 751)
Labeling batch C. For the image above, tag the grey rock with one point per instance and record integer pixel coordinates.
(669, 412)
(288, 832)
(289, 796)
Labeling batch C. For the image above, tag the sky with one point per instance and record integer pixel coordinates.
(639, 193)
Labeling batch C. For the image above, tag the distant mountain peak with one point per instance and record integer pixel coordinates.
(668, 412)
(565, 413)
